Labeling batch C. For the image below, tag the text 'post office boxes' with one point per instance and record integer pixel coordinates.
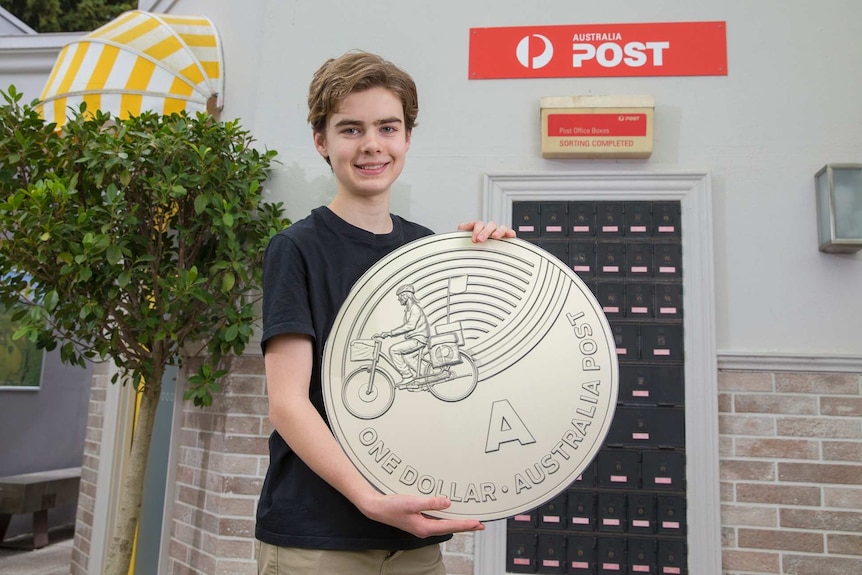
(551, 553)
(521, 552)
(581, 555)
(652, 384)
(663, 470)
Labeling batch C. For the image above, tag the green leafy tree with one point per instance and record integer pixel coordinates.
(67, 15)
(133, 240)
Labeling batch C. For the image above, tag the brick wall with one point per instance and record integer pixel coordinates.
(791, 476)
(90, 469)
(791, 472)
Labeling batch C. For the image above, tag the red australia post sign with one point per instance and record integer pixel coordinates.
(599, 50)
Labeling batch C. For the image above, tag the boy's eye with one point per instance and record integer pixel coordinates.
(388, 129)
(350, 131)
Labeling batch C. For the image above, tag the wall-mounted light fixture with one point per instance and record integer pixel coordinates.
(839, 207)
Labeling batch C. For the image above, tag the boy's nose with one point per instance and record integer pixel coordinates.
(370, 143)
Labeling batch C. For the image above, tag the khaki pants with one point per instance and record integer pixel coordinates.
(274, 560)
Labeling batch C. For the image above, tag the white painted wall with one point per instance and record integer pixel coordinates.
(789, 105)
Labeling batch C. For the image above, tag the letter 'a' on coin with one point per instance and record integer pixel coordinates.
(486, 373)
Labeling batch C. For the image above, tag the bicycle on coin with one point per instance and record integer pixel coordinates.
(441, 367)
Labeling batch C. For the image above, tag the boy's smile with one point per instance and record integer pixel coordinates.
(366, 142)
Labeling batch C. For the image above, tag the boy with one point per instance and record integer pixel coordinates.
(316, 513)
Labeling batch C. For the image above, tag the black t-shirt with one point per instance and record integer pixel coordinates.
(309, 269)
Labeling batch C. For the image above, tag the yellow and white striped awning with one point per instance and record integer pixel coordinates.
(135, 63)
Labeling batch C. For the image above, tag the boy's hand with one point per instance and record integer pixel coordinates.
(482, 231)
(406, 512)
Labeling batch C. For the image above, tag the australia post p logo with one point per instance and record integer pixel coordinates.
(660, 49)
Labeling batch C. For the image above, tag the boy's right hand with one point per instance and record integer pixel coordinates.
(406, 512)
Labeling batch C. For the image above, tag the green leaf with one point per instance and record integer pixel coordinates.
(51, 300)
(114, 254)
(227, 282)
(227, 219)
(201, 204)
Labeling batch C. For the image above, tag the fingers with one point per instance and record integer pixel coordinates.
(482, 231)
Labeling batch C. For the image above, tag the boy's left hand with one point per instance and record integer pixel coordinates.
(482, 231)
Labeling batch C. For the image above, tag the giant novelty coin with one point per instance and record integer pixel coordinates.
(483, 372)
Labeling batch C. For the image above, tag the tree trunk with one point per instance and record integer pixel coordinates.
(132, 491)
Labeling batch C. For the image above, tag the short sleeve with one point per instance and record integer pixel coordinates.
(286, 306)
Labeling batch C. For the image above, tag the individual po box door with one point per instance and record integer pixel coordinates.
(641, 513)
(652, 384)
(612, 512)
(582, 219)
(581, 507)
(619, 468)
(663, 470)
(581, 555)
(554, 220)
(526, 219)
(521, 552)
(552, 514)
(641, 556)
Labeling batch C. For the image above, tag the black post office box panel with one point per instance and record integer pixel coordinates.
(663, 470)
(652, 384)
(647, 427)
(610, 219)
(611, 259)
(672, 558)
(558, 248)
(581, 510)
(587, 478)
(670, 514)
(554, 219)
(639, 260)
(668, 301)
(526, 218)
(639, 300)
(611, 556)
(638, 219)
(552, 514)
(521, 552)
(612, 297)
(612, 512)
(619, 468)
(627, 341)
(582, 258)
(581, 555)
(666, 219)
(668, 260)
(641, 511)
(582, 219)
(641, 556)
(552, 553)
(527, 520)
(661, 342)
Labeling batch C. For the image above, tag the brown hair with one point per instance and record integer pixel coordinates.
(354, 72)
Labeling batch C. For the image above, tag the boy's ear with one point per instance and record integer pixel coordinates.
(320, 144)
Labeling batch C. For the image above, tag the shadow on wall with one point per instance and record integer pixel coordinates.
(301, 195)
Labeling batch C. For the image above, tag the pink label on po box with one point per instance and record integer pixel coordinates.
(526, 228)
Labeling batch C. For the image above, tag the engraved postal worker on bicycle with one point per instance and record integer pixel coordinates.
(434, 362)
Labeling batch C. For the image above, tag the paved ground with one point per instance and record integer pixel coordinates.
(53, 559)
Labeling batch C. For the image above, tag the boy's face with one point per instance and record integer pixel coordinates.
(366, 142)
